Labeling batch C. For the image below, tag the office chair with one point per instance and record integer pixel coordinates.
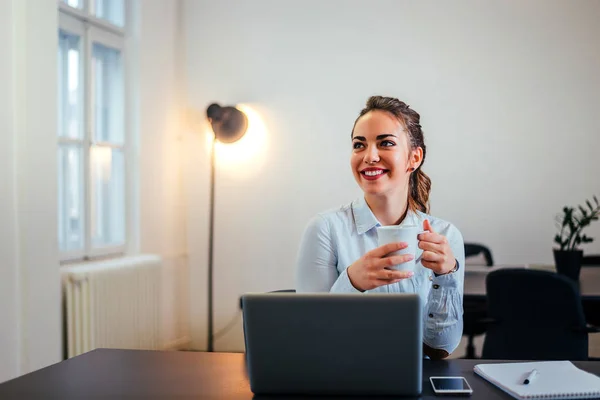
(474, 249)
(591, 261)
(535, 315)
(475, 312)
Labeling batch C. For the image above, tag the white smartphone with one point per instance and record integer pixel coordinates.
(450, 385)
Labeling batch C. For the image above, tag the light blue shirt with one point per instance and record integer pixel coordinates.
(335, 239)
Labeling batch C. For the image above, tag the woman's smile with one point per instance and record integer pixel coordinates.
(372, 174)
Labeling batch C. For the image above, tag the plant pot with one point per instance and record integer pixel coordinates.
(568, 262)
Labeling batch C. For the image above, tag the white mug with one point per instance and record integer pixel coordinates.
(399, 233)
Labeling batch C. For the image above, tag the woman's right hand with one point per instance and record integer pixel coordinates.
(371, 270)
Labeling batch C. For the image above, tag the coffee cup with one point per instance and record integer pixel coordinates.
(400, 233)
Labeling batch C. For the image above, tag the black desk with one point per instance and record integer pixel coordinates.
(589, 281)
(119, 374)
(589, 286)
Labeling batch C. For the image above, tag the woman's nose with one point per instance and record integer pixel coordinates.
(371, 155)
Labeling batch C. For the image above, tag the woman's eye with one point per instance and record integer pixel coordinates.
(387, 143)
(357, 145)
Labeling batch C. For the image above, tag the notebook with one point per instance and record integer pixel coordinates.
(554, 380)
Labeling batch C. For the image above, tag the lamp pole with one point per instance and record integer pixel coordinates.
(211, 245)
(228, 124)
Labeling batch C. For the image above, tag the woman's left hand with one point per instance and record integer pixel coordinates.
(437, 254)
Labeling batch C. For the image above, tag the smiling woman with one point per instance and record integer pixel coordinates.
(387, 142)
(339, 252)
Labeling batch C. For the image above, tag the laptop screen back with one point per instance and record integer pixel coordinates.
(333, 343)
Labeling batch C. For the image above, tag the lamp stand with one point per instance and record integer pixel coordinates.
(228, 125)
(211, 245)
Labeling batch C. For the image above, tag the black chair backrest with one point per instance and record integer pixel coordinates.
(473, 249)
(536, 315)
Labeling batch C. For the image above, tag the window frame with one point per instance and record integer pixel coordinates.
(90, 29)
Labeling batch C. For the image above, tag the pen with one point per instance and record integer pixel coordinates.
(530, 377)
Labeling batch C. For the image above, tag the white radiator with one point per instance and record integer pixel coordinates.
(113, 304)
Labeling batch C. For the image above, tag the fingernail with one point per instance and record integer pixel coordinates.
(410, 274)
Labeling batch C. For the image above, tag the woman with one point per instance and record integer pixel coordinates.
(339, 252)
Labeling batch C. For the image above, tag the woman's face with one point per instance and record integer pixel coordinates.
(381, 155)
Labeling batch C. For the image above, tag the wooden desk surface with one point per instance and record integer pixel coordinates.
(120, 374)
(589, 282)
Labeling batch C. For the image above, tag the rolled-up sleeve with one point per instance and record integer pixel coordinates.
(316, 265)
(443, 319)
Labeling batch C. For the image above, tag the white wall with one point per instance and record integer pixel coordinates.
(31, 337)
(36, 72)
(9, 309)
(161, 212)
(29, 282)
(509, 94)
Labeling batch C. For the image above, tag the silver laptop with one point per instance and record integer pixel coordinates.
(333, 344)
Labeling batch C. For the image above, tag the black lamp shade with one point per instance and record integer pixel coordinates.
(228, 123)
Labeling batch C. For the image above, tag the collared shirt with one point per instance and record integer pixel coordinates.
(335, 239)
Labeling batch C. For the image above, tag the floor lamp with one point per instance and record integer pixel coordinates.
(228, 124)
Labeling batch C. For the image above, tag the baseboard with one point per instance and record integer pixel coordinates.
(178, 344)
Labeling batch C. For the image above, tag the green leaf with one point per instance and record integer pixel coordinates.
(569, 214)
(585, 222)
(583, 211)
(596, 200)
(586, 239)
(557, 239)
(590, 205)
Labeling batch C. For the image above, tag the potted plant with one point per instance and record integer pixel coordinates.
(570, 224)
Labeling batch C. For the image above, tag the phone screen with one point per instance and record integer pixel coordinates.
(450, 383)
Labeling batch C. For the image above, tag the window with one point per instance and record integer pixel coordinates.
(92, 137)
